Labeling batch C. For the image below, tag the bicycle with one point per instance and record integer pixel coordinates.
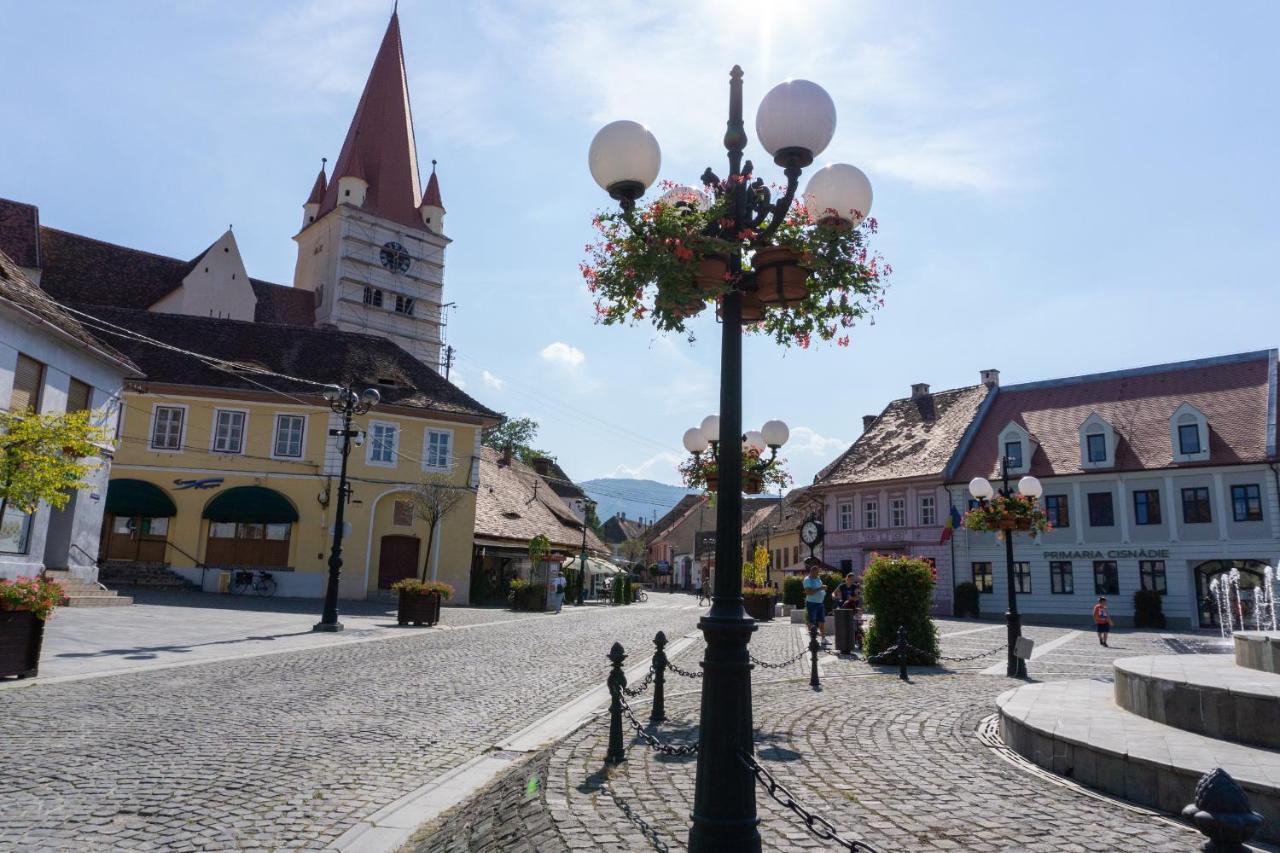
(640, 595)
(263, 583)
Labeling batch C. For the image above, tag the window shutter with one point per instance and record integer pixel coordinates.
(78, 396)
(28, 376)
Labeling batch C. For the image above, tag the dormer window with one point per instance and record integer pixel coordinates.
(1096, 446)
(1189, 434)
(1013, 453)
(1097, 443)
(1016, 449)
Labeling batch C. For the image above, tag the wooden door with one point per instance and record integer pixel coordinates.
(397, 559)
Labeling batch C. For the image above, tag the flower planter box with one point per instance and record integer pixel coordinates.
(760, 607)
(712, 481)
(752, 483)
(1015, 524)
(780, 279)
(420, 608)
(710, 277)
(21, 635)
(752, 309)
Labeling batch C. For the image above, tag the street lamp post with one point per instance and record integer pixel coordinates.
(1028, 487)
(795, 122)
(588, 506)
(347, 404)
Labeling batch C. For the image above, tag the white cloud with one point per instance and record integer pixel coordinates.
(805, 440)
(563, 354)
(660, 467)
(456, 378)
(492, 381)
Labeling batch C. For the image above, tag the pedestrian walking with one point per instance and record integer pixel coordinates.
(1102, 620)
(557, 590)
(697, 587)
(814, 598)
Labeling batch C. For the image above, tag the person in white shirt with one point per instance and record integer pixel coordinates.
(557, 591)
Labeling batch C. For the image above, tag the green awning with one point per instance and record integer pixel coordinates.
(251, 504)
(138, 497)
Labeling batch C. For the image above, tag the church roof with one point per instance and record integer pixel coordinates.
(379, 146)
(432, 196)
(318, 188)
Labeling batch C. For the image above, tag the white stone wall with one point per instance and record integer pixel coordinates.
(218, 286)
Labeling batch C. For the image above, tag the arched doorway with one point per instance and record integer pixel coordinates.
(1251, 578)
(397, 559)
(249, 526)
(136, 521)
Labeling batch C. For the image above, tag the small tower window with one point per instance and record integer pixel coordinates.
(404, 305)
(373, 296)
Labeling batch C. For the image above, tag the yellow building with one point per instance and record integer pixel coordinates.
(218, 469)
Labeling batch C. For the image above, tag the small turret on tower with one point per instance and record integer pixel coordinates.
(432, 209)
(311, 209)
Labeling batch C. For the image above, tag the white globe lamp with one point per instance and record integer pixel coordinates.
(775, 433)
(755, 440)
(795, 122)
(694, 441)
(711, 428)
(1030, 487)
(624, 158)
(980, 488)
(839, 192)
(686, 195)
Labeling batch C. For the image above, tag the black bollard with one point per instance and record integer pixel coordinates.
(813, 654)
(1221, 811)
(659, 711)
(902, 652)
(617, 680)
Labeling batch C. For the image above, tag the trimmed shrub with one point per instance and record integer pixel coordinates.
(793, 591)
(831, 580)
(899, 591)
(966, 603)
(1148, 609)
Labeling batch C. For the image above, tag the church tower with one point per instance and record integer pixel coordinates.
(372, 245)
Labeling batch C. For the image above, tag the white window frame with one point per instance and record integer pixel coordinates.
(244, 431)
(1015, 433)
(928, 510)
(426, 450)
(182, 430)
(1096, 425)
(371, 445)
(275, 436)
(844, 515)
(1188, 414)
(871, 513)
(897, 512)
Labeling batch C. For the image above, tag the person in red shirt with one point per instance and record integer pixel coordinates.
(1102, 620)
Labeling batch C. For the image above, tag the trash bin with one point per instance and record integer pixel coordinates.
(845, 629)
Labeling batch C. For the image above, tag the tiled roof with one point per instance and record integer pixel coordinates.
(618, 530)
(318, 188)
(318, 355)
(910, 438)
(432, 196)
(795, 509)
(288, 306)
(559, 481)
(379, 146)
(20, 232)
(672, 516)
(515, 504)
(80, 270)
(16, 288)
(1234, 393)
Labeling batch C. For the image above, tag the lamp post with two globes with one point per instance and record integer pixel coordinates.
(771, 436)
(794, 123)
(982, 490)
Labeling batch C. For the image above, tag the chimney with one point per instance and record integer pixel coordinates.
(506, 455)
(991, 378)
(543, 466)
(919, 390)
(867, 421)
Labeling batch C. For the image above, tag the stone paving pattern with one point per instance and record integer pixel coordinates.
(287, 751)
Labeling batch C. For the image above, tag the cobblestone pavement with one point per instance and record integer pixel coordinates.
(898, 765)
(287, 751)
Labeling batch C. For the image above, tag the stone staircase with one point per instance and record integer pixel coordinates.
(1165, 722)
(125, 574)
(82, 593)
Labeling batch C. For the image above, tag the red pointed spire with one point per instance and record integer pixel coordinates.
(379, 147)
(318, 189)
(432, 196)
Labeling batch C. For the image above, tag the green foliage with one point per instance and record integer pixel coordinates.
(572, 580)
(539, 548)
(623, 591)
(899, 591)
(793, 591)
(35, 594)
(1148, 609)
(527, 596)
(754, 572)
(966, 603)
(41, 457)
(517, 433)
(1003, 514)
(831, 580)
(413, 586)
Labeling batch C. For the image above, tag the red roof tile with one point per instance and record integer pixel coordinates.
(514, 505)
(318, 189)
(379, 146)
(20, 232)
(287, 306)
(432, 196)
(79, 269)
(1234, 393)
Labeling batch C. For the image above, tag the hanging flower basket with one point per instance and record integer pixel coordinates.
(752, 309)
(710, 275)
(689, 306)
(752, 483)
(711, 479)
(780, 280)
(1008, 513)
(702, 472)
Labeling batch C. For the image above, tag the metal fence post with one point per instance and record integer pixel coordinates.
(617, 680)
(902, 652)
(813, 654)
(659, 710)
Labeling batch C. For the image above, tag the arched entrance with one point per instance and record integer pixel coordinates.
(249, 526)
(136, 521)
(1251, 577)
(397, 559)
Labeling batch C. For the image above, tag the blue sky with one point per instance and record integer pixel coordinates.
(1061, 189)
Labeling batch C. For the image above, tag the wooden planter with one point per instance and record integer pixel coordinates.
(21, 635)
(691, 307)
(752, 483)
(752, 309)
(420, 608)
(1016, 524)
(760, 607)
(779, 277)
(710, 277)
(713, 480)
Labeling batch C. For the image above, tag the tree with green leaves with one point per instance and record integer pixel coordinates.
(633, 549)
(434, 497)
(42, 457)
(517, 433)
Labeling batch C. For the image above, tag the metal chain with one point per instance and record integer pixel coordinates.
(817, 825)
(783, 665)
(678, 671)
(664, 748)
(987, 653)
(642, 686)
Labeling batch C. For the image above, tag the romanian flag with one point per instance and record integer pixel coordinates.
(953, 521)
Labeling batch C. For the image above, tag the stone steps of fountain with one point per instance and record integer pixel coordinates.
(1076, 729)
(1206, 694)
(1258, 650)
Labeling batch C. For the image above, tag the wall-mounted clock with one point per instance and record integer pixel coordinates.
(395, 258)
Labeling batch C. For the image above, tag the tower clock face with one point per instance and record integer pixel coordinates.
(395, 258)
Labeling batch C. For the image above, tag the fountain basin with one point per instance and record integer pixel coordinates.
(1258, 650)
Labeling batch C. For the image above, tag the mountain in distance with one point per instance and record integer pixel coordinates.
(647, 499)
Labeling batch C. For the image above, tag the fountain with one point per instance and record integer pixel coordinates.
(1217, 594)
